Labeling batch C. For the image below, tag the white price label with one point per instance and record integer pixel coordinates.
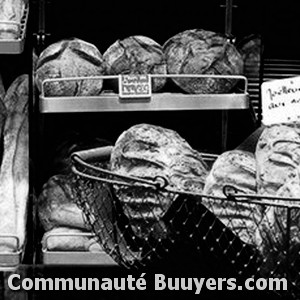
(281, 101)
(134, 86)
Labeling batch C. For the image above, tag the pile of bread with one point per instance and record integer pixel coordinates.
(148, 151)
(195, 51)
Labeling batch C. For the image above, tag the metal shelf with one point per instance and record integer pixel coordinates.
(158, 102)
(77, 258)
(59, 257)
(16, 46)
(110, 102)
(10, 260)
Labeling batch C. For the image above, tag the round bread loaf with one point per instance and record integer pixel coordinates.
(238, 169)
(199, 51)
(11, 13)
(70, 58)
(137, 55)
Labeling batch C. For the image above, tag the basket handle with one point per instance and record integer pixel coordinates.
(102, 153)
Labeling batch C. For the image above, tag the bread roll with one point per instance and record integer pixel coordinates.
(238, 169)
(137, 55)
(70, 58)
(199, 51)
(11, 13)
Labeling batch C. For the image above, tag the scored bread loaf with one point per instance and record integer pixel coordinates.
(11, 13)
(147, 151)
(70, 58)
(235, 168)
(278, 174)
(137, 55)
(14, 173)
(205, 52)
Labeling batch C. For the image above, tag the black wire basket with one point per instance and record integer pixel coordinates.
(136, 235)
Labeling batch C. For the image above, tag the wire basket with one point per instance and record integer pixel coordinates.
(134, 237)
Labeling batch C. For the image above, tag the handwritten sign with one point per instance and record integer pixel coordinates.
(134, 86)
(281, 101)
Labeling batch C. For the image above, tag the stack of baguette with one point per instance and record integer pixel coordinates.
(14, 176)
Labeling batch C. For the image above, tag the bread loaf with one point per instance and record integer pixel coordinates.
(137, 55)
(69, 239)
(14, 177)
(278, 161)
(235, 168)
(70, 58)
(199, 51)
(147, 151)
(250, 48)
(57, 206)
(11, 13)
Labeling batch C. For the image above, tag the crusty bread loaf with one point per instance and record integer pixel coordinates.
(278, 174)
(69, 239)
(278, 160)
(236, 168)
(70, 58)
(250, 48)
(137, 55)
(57, 206)
(148, 151)
(199, 51)
(14, 175)
(11, 13)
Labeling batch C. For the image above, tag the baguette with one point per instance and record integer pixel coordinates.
(11, 13)
(14, 185)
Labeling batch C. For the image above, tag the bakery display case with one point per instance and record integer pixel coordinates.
(162, 170)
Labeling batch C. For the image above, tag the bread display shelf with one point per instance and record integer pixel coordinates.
(10, 260)
(16, 46)
(75, 257)
(110, 102)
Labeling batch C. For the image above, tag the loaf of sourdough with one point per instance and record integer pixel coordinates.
(137, 55)
(278, 174)
(149, 151)
(11, 13)
(234, 168)
(204, 52)
(70, 58)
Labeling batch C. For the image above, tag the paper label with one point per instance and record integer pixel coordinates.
(134, 86)
(281, 101)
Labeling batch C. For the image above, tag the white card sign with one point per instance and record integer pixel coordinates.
(134, 86)
(281, 101)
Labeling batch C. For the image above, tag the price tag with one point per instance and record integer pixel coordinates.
(281, 101)
(134, 86)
